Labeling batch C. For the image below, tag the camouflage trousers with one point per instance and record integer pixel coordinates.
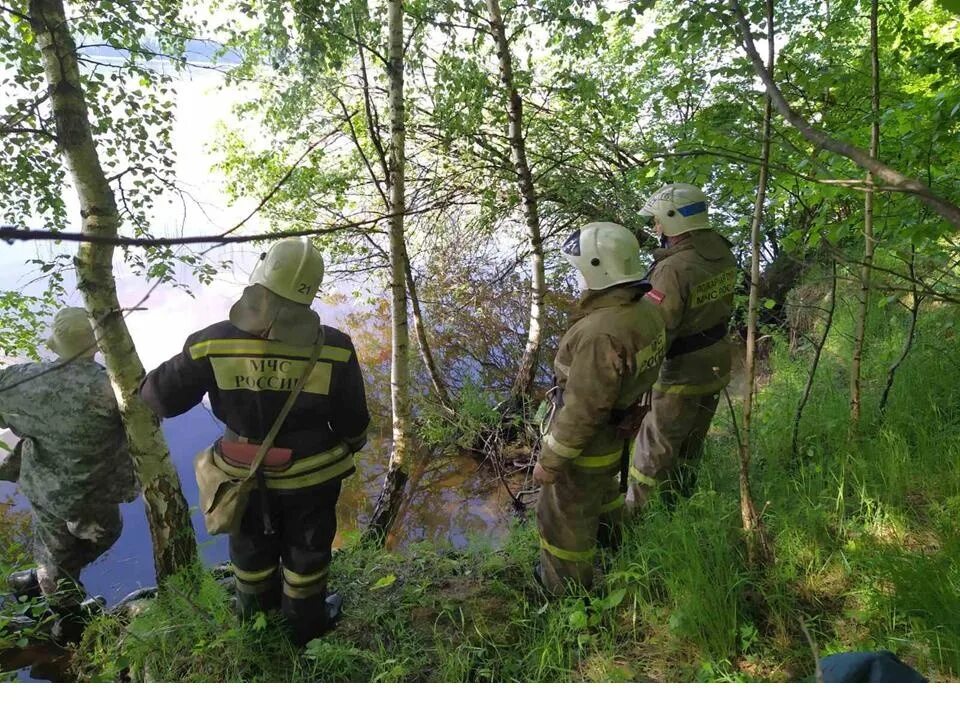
(670, 442)
(575, 515)
(62, 548)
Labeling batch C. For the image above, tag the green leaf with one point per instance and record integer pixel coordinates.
(614, 599)
(260, 621)
(578, 620)
(385, 581)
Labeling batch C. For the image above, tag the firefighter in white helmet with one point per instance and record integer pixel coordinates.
(693, 276)
(605, 362)
(248, 365)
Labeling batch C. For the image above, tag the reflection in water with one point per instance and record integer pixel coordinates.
(447, 500)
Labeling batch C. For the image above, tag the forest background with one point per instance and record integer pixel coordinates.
(437, 152)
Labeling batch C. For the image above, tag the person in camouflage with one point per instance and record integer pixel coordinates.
(606, 361)
(693, 278)
(72, 462)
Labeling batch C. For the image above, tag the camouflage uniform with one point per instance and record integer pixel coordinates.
(693, 284)
(606, 361)
(75, 468)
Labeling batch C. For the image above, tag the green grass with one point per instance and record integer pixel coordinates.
(864, 526)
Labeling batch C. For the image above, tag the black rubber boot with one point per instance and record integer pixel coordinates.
(688, 484)
(610, 537)
(538, 580)
(69, 626)
(25, 583)
(334, 609)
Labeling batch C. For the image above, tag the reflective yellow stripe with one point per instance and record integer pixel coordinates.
(254, 576)
(716, 288)
(564, 451)
(257, 588)
(302, 593)
(569, 555)
(705, 389)
(638, 478)
(264, 347)
(303, 473)
(613, 505)
(292, 578)
(301, 466)
(358, 437)
(598, 461)
(314, 478)
(277, 374)
(651, 356)
(314, 461)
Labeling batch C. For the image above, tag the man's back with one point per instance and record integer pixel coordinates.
(74, 448)
(694, 282)
(249, 378)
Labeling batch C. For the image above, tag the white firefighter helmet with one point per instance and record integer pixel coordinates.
(679, 208)
(606, 254)
(72, 334)
(293, 269)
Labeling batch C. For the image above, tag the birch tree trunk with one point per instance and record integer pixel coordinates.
(894, 179)
(758, 548)
(423, 343)
(869, 242)
(528, 364)
(174, 544)
(391, 497)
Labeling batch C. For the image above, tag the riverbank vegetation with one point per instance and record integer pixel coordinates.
(438, 153)
(865, 535)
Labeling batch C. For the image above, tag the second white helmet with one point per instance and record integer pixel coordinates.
(292, 268)
(606, 254)
(679, 208)
(72, 334)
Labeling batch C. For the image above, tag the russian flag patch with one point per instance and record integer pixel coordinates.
(656, 296)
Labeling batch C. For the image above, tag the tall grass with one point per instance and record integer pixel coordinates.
(865, 528)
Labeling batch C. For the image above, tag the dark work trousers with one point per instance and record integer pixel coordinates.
(288, 570)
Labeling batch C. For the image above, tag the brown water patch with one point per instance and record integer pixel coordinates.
(448, 499)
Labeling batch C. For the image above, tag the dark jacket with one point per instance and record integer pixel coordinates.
(248, 380)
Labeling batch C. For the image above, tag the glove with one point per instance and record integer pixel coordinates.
(544, 476)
